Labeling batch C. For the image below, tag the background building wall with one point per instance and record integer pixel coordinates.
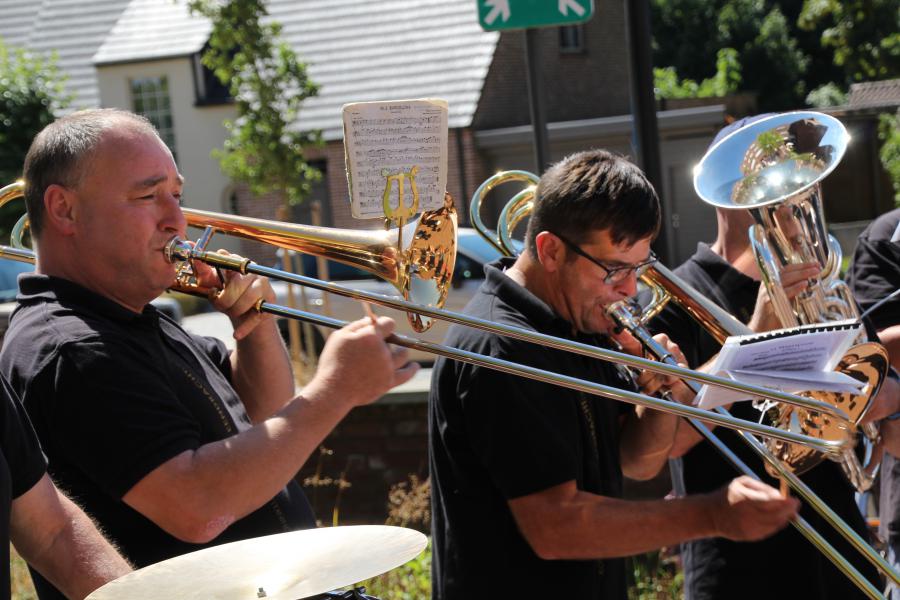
(198, 129)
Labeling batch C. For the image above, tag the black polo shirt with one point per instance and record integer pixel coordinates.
(785, 565)
(21, 466)
(874, 274)
(496, 437)
(114, 394)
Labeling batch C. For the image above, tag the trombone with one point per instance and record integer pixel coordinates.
(665, 286)
(424, 261)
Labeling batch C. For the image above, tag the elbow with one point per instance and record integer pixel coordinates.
(197, 528)
(547, 546)
(645, 469)
(551, 539)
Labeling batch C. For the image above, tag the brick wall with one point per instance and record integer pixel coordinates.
(375, 447)
(593, 83)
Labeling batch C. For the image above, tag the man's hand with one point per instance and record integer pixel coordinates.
(357, 366)
(890, 435)
(794, 280)
(238, 297)
(886, 402)
(749, 510)
(656, 383)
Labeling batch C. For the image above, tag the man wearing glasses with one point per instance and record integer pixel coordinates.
(526, 476)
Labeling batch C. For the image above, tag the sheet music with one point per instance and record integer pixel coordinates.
(791, 360)
(394, 137)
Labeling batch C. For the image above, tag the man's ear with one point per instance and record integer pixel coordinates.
(550, 250)
(59, 209)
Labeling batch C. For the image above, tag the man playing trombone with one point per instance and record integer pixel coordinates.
(168, 440)
(526, 477)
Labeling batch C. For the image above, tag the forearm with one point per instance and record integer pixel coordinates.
(590, 526)
(647, 438)
(261, 371)
(686, 438)
(63, 544)
(890, 338)
(80, 560)
(886, 402)
(196, 495)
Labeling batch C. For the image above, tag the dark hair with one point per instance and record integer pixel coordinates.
(590, 191)
(59, 153)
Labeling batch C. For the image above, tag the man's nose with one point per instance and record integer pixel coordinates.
(173, 218)
(628, 286)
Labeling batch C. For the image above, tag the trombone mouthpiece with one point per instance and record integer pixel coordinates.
(177, 250)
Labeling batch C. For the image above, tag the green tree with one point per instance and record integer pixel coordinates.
(269, 83)
(772, 63)
(726, 80)
(265, 148)
(889, 132)
(864, 35)
(31, 95)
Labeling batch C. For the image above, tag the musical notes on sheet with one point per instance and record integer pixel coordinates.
(394, 137)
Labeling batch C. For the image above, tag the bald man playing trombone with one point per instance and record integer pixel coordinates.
(171, 442)
(527, 477)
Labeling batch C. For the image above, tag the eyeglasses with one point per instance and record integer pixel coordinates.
(613, 274)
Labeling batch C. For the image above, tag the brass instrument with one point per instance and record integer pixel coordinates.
(421, 271)
(349, 246)
(773, 168)
(665, 286)
(319, 242)
(514, 211)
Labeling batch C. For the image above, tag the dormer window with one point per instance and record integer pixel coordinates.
(207, 87)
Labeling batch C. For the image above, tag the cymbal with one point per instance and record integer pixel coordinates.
(285, 566)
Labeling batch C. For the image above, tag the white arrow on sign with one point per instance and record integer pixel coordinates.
(564, 5)
(499, 8)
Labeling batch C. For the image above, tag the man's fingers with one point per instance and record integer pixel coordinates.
(248, 324)
(405, 373)
(399, 356)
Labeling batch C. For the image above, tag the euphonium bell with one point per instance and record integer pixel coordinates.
(773, 168)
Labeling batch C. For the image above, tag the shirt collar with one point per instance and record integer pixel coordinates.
(718, 267)
(34, 288)
(537, 312)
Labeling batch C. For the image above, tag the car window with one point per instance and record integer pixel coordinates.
(466, 269)
(9, 274)
(474, 252)
(473, 245)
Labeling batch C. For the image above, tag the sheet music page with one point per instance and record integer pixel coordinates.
(811, 349)
(393, 137)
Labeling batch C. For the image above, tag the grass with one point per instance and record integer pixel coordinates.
(20, 580)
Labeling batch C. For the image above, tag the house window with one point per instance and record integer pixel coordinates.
(150, 98)
(571, 39)
(207, 87)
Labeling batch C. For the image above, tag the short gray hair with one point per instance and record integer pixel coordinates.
(59, 153)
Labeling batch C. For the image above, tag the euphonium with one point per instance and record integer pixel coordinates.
(773, 168)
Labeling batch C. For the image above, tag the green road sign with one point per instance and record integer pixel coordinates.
(496, 15)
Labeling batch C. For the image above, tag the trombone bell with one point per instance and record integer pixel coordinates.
(422, 271)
